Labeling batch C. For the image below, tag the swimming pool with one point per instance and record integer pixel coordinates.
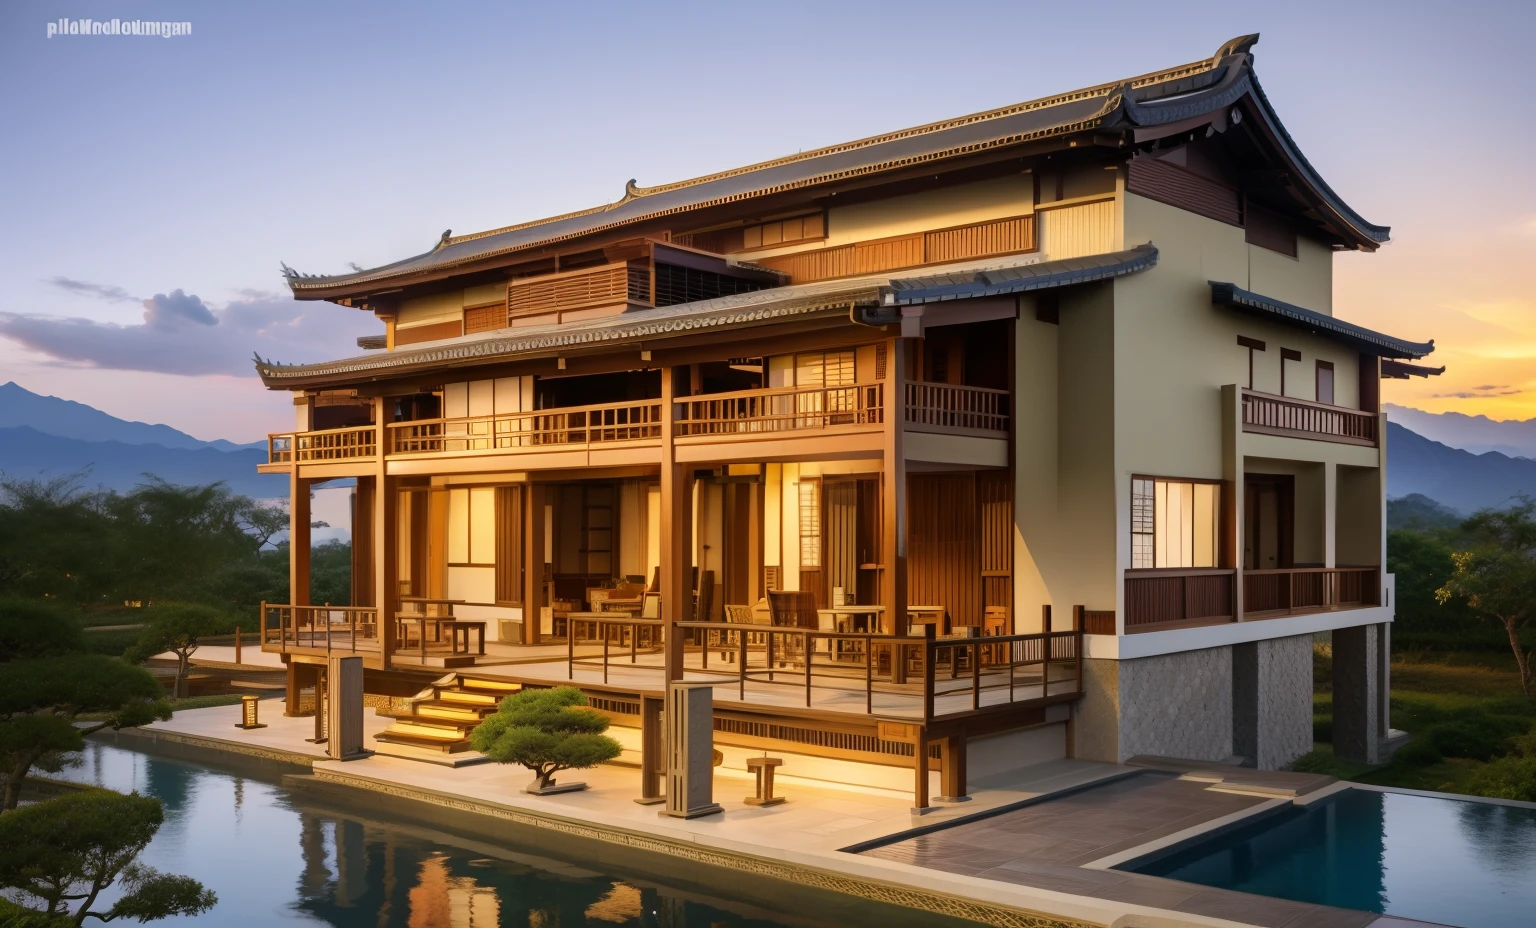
(1439, 859)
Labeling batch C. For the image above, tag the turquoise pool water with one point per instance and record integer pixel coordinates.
(1463, 863)
(281, 857)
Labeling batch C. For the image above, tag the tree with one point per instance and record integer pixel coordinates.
(41, 700)
(176, 628)
(37, 628)
(1496, 573)
(547, 731)
(71, 849)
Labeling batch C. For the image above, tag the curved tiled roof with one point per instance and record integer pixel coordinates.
(1011, 274)
(1360, 337)
(1152, 99)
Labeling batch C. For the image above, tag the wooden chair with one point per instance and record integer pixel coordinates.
(734, 615)
(995, 623)
(793, 609)
(655, 586)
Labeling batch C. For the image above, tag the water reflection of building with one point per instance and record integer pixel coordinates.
(442, 900)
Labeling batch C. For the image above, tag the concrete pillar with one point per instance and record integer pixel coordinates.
(1359, 724)
(1272, 700)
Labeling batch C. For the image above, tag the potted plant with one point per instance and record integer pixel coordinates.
(547, 731)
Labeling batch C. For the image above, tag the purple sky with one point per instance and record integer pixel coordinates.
(151, 186)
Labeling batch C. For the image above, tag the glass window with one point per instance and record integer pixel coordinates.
(1174, 523)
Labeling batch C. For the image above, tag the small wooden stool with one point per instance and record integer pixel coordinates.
(763, 767)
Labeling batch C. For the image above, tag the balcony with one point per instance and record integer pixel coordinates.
(349, 444)
(1178, 597)
(542, 429)
(1268, 414)
(1305, 590)
(781, 410)
(929, 407)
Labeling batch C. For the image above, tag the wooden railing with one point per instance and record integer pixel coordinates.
(1178, 596)
(325, 628)
(1282, 415)
(942, 407)
(348, 444)
(542, 428)
(781, 409)
(921, 676)
(598, 286)
(977, 240)
(1301, 590)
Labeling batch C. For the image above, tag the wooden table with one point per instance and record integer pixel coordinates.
(460, 631)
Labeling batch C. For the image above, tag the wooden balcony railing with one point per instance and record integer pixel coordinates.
(349, 444)
(1178, 596)
(320, 628)
(606, 285)
(942, 407)
(781, 410)
(567, 426)
(1282, 415)
(1300, 590)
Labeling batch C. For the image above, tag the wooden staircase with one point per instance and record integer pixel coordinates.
(441, 716)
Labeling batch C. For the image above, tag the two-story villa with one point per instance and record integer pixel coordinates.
(1027, 434)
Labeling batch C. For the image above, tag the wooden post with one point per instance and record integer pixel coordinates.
(653, 761)
(344, 708)
(293, 684)
(920, 805)
(237, 644)
(298, 538)
(385, 498)
(952, 774)
(533, 565)
(893, 509)
(676, 534)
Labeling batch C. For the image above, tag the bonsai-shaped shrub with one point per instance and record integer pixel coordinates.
(547, 731)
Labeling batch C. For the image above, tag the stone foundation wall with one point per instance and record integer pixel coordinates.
(1285, 700)
(1176, 705)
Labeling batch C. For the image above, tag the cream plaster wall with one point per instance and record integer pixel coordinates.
(430, 310)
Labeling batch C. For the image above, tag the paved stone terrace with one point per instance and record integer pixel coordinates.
(1045, 846)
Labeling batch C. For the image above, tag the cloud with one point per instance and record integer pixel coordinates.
(183, 334)
(1482, 392)
(100, 291)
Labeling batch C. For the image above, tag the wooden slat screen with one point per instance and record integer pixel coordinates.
(994, 503)
(1181, 187)
(599, 286)
(977, 240)
(485, 318)
(942, 557)
(984, 238)
(509, 545)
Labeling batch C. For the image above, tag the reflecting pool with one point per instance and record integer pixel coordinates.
(277, 856)
(1441, 860)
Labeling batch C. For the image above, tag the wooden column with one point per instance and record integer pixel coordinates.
(299, 519)
(676, 534)
(533, 563)
(386, 528)
(653, 760)
(920, 804)
(893, 503)
(952, 774)
(362, 541)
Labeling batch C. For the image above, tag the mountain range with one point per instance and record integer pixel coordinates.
(1454, 477)
(45, 436)
(1477, 434)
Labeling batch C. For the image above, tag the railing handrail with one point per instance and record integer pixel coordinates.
(552, 411)
(772, 391)
(956, 386)
(1272, 571)
(1298, 401)
(1179, 571)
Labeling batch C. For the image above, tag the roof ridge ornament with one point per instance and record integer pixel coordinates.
(1242, 45)
(445, 241)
